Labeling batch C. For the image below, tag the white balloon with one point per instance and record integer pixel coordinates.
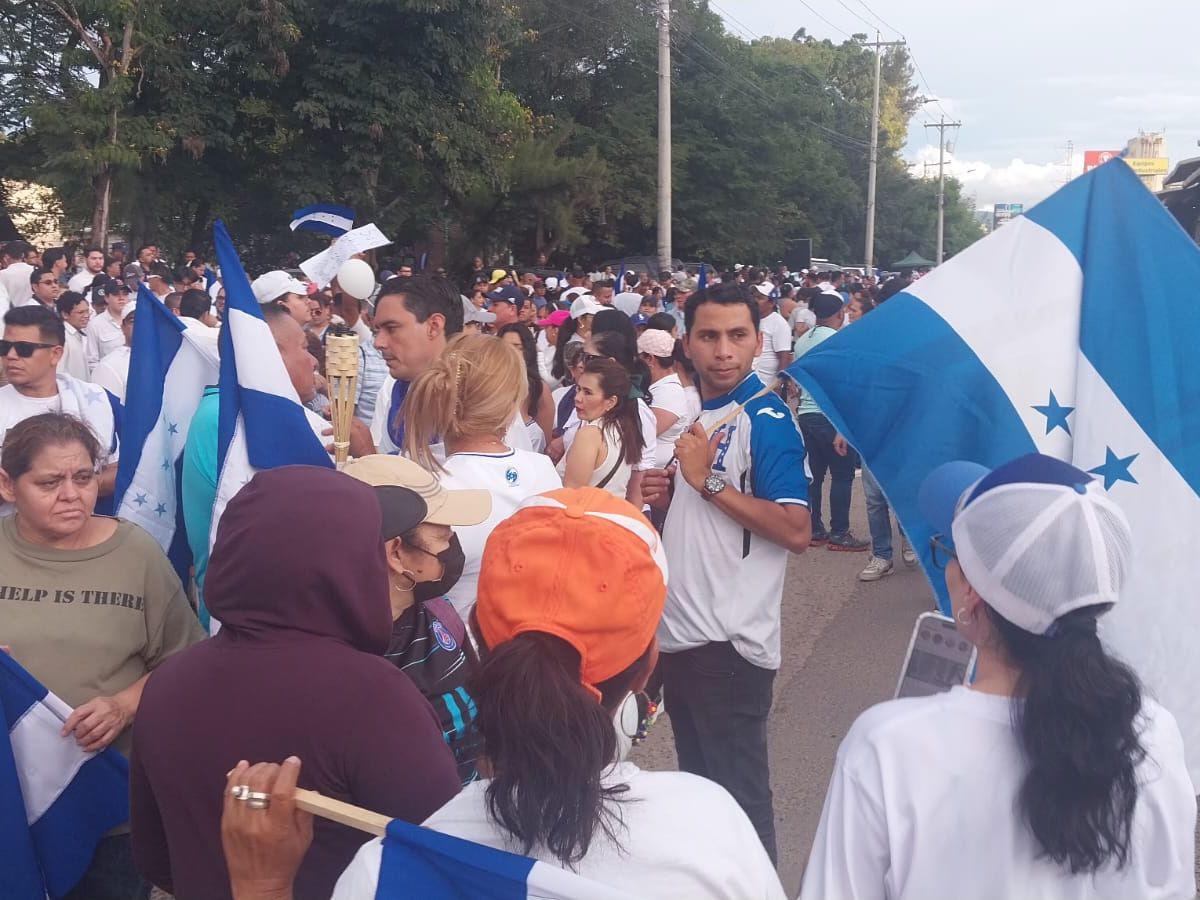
(356, 278)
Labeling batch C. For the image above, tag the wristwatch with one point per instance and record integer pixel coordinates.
(713, 485)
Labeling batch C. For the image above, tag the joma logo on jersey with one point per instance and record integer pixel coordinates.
(773, 413)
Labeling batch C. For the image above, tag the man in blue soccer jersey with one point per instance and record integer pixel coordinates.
(738, 502)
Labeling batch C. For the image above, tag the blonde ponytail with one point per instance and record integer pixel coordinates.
(472, 390)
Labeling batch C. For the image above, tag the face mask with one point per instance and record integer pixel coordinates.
(452, 559)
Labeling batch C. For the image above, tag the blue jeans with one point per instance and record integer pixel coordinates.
(818, 434)
(878, 517)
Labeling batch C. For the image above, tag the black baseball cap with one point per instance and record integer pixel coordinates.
(825, 305)
(114, 286)
(403, 510)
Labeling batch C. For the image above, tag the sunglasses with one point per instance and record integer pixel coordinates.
(941, 551)
(24, 349)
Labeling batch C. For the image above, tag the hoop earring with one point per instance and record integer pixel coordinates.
(963, 618)
(412, 582)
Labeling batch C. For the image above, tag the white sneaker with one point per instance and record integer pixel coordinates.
(907, 553)
(876, 569)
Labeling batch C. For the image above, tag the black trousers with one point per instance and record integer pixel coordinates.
(718, 704)
(818, 434)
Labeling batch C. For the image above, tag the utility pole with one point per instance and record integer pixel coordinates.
(869, 252)
(941, 126)
(664, 135)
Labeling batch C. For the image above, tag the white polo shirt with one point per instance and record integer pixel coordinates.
(104, 335)
(726, 582)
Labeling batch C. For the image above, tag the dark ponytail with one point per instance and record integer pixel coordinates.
(558, 368)
(625, 417)
(548, 742)
(1077, 724)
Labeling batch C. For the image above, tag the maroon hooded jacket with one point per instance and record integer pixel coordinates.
(299, 584)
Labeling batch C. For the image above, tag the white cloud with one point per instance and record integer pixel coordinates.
(1017, 181)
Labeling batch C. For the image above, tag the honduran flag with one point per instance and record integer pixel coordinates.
(56, 801)
(420, 862)
(168, 371)
(261, 423)
(1066, 332)
(325, 218)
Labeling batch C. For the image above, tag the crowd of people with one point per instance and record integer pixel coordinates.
(570, 507)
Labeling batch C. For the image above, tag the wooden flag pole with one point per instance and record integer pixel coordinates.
(342, 813)
(737, 410)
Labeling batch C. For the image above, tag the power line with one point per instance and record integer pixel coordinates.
(813, 79)
(740, 26)
(812, 10)
(881, 20)
(732, 75)
(842, 4)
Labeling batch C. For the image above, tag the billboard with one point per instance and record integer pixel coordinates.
(1148, 165)
(1003, 212)
(1093, 158)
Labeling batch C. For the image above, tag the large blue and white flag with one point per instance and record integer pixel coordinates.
(261, 423)
(325, 218)
(56, 801)
(420, 862)
(1065, 332)
(168, 371)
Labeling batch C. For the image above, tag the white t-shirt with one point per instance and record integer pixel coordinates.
(545, 358)
(16, 283)
(112, 372)
(81, 281)
(922, 804)
(668, 395)
(103, 337)
(682, 837)
(777, 338)
(81, 399)
(510, 478)
(726, 583)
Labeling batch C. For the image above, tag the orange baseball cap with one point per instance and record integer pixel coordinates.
(582, 565)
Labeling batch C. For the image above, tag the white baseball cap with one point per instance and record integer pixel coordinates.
(551, 283)
(586, 305)
(766, 288)
(273, 285)
(1037, 538)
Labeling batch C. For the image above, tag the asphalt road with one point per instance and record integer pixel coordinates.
(843, 643)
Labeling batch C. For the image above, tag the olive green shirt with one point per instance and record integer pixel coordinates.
(89, 623)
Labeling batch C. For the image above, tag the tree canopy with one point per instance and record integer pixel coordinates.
(480, 126)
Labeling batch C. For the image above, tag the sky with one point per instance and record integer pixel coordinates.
(1023, 76)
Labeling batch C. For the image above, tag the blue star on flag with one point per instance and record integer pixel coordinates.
(166, 465)
(1056, 414)
(172, 428)
(140, 500)
(95, 396)
(1115, 468)
(161, 509)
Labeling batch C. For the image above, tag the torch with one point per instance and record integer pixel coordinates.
(341, 371)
